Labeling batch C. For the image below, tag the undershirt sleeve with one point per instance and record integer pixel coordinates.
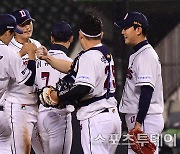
(144, 102)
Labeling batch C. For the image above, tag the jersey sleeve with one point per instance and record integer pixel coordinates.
(146, 70)
(17, 70)
(86, 71)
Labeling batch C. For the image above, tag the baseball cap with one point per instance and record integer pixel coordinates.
(131, 19)
(91, 26)
(8, 21)
(21, 16)
(61, 30)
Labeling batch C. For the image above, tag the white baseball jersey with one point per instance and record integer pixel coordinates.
(21, 94)
(93, 72)
(54, 125)
(144, 69)
(11, 67)
(46, 75)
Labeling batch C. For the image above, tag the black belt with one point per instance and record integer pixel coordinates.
(1, 108)
(94, 99)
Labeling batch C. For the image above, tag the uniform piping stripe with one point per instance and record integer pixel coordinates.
(24, 78)
(15, 45)
(13, 133)
(64, 135)
(146, 82)
(53, 54)
(89, 136)
(86, 83)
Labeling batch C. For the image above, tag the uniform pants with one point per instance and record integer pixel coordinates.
(5, 133)
(100, 134)
(22, 119)
(153, 126)
(55, 132)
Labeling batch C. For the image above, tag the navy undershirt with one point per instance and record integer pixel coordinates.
(144, 102)
(31, 66)
(76, 93)
(59, 47)
(140, 45)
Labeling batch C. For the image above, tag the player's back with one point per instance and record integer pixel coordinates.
(20, 94)
(93, 72)
(48, 76)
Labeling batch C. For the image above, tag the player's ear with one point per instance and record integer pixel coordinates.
(102, 34)
(71, 39)
(139, 30)
(80, 35)
(52, 40)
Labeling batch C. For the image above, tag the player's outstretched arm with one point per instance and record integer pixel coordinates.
(58, 64)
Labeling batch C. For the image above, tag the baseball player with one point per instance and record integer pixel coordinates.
(142, 99)
(54, 125)
(12, 69)
(20, 100)
(93, 89)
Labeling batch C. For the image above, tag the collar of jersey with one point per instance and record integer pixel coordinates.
(98, 45)
(140, 45)
(59, 47)
(17, 44)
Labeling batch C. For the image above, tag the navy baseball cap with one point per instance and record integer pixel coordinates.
(131, 19)
(8, 21)
(61, 30)
(21, 16)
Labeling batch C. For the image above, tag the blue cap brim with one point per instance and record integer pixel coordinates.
(122, 24)
(26, 20)
(17, 30)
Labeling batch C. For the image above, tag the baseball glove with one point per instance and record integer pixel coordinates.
(45, 97)
(140, 142)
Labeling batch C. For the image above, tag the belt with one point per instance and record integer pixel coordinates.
(106, 110)
(94, 99)
(1, 108)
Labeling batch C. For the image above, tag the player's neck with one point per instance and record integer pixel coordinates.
(140, 40)
(65, 44)
(22, 40)
(91, 43)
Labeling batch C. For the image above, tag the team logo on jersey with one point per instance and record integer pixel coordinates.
(103, 59)
(129, 73)
(1, 57)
